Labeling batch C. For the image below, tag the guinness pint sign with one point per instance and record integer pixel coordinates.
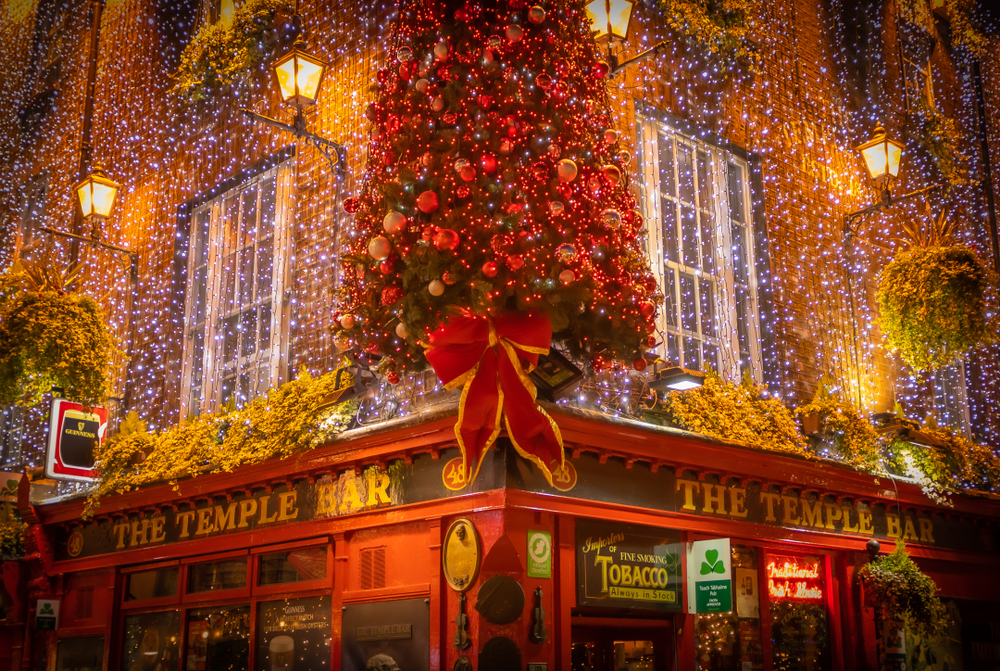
(75, 434)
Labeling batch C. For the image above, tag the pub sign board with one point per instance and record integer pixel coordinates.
(710, 576)
(75, 435)
(628, 566)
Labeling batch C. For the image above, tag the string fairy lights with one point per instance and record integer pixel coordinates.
(817, 92)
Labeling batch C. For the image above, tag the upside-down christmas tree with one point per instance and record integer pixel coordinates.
(495, 216)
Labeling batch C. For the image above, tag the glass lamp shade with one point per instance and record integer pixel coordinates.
(96, 194)
(615, 13)
(299, 77)
(882, 156)
(677, 379)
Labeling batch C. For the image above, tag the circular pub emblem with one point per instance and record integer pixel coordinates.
(74, 545)
(563, 477)
(454, 474)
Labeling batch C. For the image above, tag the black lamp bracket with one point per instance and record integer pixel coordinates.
(333, 152)
(854, 220)
(128, 258)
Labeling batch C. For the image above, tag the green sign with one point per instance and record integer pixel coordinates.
(710, 577)
(46, 614)
(539, 554)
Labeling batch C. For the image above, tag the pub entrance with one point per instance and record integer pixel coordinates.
(619, 644)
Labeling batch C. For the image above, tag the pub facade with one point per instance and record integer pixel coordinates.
(651, 547)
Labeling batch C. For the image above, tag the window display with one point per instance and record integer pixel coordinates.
(732, 641)
(800, 638)
(218, 639)
(294, 634)
(151, 642)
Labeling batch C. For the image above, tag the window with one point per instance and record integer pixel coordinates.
(216, 576)
(151, 640)
(156, 584)
(236, 317)
(950, 400)
(281, 568)
(696, 198)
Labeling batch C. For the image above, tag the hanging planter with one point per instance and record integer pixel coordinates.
(897, 587)
(942, 140)
(221, 55)
(932, 300)
(51, 337)
(830, 419)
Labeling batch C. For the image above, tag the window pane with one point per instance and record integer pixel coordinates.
(210, 577)
(152, 641)
(689, 308)
(246, 276)
(249, 215)
(80, 654)
(218, 639)
(673, 355)
(669, 209)
(705, 191)
(692, 353)
(670, 297)
(248, 333)
(800, 634)
(706, 294)
(709, 247)
(267, 200)
(685, 174)
(265, 269)
(264, 331)
(667, 183)
(293, 566)
(689, 240)
(151, 584)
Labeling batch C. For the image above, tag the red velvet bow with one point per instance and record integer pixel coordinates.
(492, 357)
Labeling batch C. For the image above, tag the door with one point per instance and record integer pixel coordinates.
(622, 645)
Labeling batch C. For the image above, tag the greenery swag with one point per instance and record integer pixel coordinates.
(50, 336)
(739, 412)
(932, 300)
(855, 438)
(11, 527)
(221, 55)
(290, 418)
(898, 587)
(721, 27)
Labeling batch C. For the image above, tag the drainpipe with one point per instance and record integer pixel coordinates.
(984, 144)
(87, 127)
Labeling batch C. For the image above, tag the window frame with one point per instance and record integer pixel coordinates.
(283, 168)
(649, 121)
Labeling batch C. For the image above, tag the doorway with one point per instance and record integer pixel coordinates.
(611, 644)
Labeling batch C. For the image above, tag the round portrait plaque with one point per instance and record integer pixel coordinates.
(461, 555)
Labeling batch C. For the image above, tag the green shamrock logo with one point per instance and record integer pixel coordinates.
(712, 563)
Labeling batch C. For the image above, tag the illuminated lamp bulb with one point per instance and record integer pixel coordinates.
(394, 222)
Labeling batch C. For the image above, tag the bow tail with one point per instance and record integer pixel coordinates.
(535, 435)
(479, 413)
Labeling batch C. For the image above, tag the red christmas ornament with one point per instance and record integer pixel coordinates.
(514, 32)
(506, 146)
(490, 269)
(543, 81)
(392, 376)
(446, 239)
(351, 205)
(448, 278)
(514, 262)
(392, 294)
(489, 163)
(428, 202)
(463, 192)
(639, 364)
(566, 170)
(601, 69)
(485, 102)
(468, 173)
(386, 267)
(612, 173)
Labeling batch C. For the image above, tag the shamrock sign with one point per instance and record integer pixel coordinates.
(709, 576)
(712, 563)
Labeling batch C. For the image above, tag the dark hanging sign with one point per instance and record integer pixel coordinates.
(628, 566)
(75, 436)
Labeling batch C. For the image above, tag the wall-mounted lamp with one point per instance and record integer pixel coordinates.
(610, 19)
(299, 76)
(677, 379)
(96, 195)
